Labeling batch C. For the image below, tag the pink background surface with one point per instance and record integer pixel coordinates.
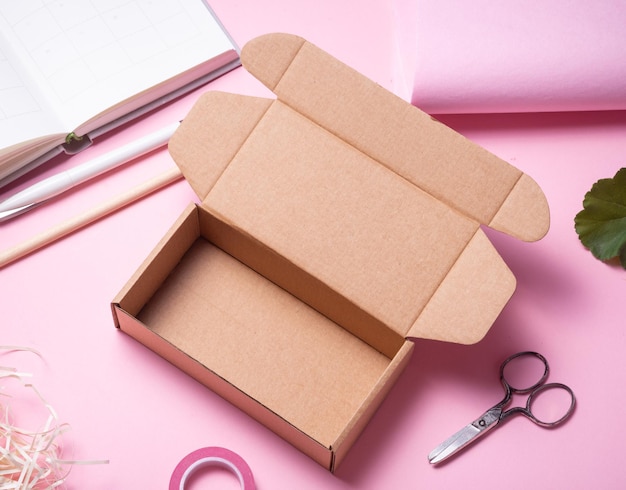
(486, 56)
(127, 405)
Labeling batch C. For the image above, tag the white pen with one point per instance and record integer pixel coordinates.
(36, 194)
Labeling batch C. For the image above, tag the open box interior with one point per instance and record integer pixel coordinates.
(200, 293)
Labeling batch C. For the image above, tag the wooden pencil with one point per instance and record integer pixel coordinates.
(80, 221)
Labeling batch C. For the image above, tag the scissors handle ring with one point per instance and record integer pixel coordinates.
(548, 386)
(510, 388)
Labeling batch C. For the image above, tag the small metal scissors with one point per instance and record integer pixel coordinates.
(492, 417)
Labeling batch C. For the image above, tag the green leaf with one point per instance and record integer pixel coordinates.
(601, 225)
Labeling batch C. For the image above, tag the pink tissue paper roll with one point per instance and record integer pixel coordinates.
(495, 56)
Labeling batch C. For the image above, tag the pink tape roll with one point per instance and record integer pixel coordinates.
(211, 456)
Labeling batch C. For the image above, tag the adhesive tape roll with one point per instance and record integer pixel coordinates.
(211, 456)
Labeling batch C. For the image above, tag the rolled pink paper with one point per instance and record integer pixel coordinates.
(493, 56)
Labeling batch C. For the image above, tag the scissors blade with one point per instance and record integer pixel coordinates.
(465, 436)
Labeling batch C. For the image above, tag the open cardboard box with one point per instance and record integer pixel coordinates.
(337, 222)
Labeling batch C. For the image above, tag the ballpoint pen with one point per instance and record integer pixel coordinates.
(40, 192)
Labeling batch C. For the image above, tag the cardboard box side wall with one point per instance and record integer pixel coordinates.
(354, 429)
(301, 284)
(201, 373)
(151, 274)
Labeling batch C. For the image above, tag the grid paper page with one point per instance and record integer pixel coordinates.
(88, 55)
(15, 98)
(24, 114)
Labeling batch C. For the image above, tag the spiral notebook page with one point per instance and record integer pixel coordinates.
(79, 57)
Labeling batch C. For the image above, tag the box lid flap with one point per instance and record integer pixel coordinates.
(228, 123)
(427, 153)
(362, 190)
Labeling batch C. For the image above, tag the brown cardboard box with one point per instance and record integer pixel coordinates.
(337, 222)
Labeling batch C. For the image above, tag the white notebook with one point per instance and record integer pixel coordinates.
(71, 70)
